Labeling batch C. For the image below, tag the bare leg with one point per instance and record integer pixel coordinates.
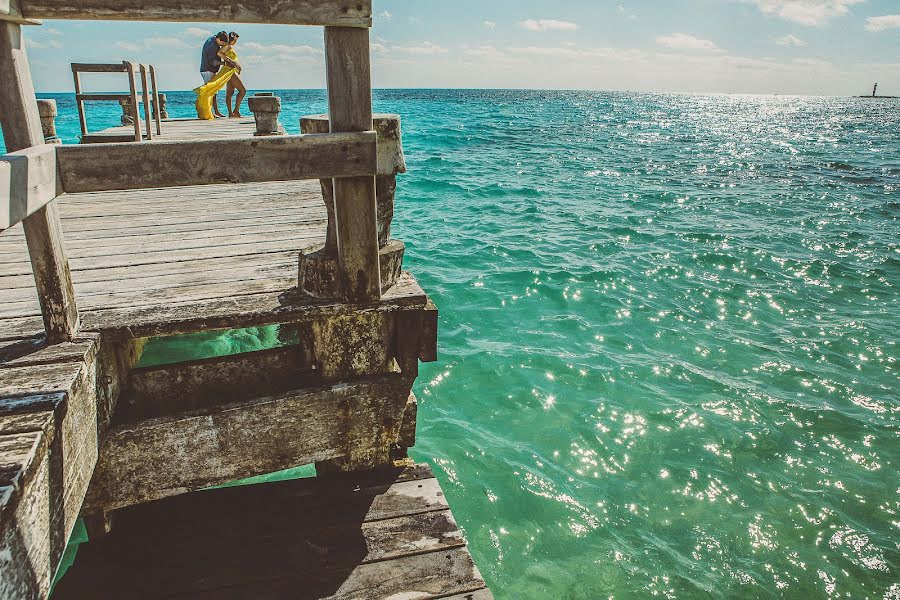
(229, 93)
(215, 106)
(242, 91)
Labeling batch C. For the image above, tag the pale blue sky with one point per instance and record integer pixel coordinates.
(834, 47)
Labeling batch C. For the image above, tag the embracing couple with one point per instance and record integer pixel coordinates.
(219, 67)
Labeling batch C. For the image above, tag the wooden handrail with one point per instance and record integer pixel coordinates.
(28, 182)
(344, 13)
(100, 167)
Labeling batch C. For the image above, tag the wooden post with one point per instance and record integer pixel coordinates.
(350, 109)
(82, 119)
(146, 95)
(48, 112)
(129, 68)
(43, 233)
(156, 108)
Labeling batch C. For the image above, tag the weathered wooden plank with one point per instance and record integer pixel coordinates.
(169, 389)
(347, 13)
(25, 516)
(306, 536)
(102, 96)
(233, 312)
(21, 126)
(182, 293)
(307, 231)
(135, 259)
(100, 68)
(350, 109)
(95, 167)
(21, 328)
(27, 183)
(46, 493)
(146, 101)
(36, 351)
(155, 276)
(428, 340)
(482, 594)
(168, 456)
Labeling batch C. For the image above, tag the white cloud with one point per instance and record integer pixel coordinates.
(790, 40)
(806, 12)
(165, 42)
(425, 48)
(283, 49)
(127, 46)
(386, 16)
(30, 43)
(685, 41)
(882, 23)
(549, 25)
(196, 32)
(51, 31)
(490, 25)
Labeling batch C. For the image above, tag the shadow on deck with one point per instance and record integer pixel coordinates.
(385, 534)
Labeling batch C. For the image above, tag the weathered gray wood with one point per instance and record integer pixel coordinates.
(36, 351)
(146, 100)
(390, 140)
(79, 103)
(408, 429)
(99, 68)
(428, 350)
(61, 411)
(169, 389)
(132, 92)
(168, 456)
(156, 102)
(347, 13)
(22, 129)
(99, 97)
(283, 158)
(25, 514)
(313, 537)
(11, 12)
(350, 109)
(28, 182)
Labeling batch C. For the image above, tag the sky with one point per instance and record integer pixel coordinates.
(821, 47)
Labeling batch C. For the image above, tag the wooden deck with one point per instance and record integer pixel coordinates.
(84, 431)
(185, 130)
(151, 251)
(369, 536)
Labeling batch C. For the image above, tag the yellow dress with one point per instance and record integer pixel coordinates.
(209, 89)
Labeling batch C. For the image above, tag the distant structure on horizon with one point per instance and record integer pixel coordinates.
(875, 94)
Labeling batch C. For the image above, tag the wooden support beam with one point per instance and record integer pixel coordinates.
(21, 125)
(100, 167)
(48, 449)
(344, 13)
(28, 182)
(145, 93)
(155, 92)
(99, 68)
(173, 455)
(132, 91)
(11, 12)
(350, 109)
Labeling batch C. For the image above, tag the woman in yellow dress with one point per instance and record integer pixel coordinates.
(230, 68)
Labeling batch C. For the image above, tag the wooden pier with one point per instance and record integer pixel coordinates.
(105, 247)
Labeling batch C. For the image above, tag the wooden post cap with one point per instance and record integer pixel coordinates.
(47, 108)
(265, 109)
(390, 141)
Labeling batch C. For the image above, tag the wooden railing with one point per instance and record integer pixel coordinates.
(28, 176)
(149, 92)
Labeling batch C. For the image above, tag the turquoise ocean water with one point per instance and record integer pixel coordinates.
(668, 336)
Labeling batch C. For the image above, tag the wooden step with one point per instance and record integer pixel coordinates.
(375, 535)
